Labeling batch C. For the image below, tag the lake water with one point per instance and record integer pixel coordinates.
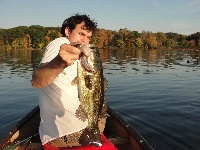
(156, 91)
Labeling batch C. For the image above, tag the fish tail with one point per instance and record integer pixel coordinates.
(91, 137)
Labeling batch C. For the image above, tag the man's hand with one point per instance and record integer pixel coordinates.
(69, 54)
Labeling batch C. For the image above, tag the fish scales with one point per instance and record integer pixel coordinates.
(91, 89)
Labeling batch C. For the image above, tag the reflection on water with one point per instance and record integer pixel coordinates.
(155, 90)
(149, 61)
(19, 62)
(22, 61)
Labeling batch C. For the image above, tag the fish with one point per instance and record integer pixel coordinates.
(91, 86)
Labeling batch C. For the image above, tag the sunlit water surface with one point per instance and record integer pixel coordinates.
(156, 91)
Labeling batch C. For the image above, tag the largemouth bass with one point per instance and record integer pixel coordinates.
(91, 87)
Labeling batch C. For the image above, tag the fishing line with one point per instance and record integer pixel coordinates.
(13, 147)
(29, 141)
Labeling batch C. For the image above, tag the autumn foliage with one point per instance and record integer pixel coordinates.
(37, 37)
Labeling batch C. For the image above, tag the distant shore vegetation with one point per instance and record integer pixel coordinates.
(37, 37)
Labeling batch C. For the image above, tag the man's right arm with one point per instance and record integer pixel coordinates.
(46, 73)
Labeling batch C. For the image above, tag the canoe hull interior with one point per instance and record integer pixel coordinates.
(117, 130)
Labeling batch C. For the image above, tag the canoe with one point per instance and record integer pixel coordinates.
(117, 131)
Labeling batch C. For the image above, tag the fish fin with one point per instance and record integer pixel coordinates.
(91, 137)
(74, 81)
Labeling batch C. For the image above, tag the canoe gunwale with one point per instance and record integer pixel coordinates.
(140, 140)
(131, 133)
(18, 125)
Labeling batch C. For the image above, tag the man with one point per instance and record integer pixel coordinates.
(58, 99)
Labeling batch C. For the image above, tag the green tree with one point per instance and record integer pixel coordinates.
(121, 44)
(52, 34)
(161, 38)
(195, 37)
(138, 42)
(37, 34)
(2, 33)
(170, 43)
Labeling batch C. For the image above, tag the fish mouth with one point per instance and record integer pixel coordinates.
(90, 57)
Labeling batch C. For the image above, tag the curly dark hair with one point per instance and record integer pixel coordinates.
(72, 21)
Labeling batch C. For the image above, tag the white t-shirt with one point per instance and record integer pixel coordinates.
(59, 101)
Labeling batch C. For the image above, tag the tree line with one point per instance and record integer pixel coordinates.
(37, 37)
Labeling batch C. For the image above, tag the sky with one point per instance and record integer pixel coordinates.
(178, 16)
